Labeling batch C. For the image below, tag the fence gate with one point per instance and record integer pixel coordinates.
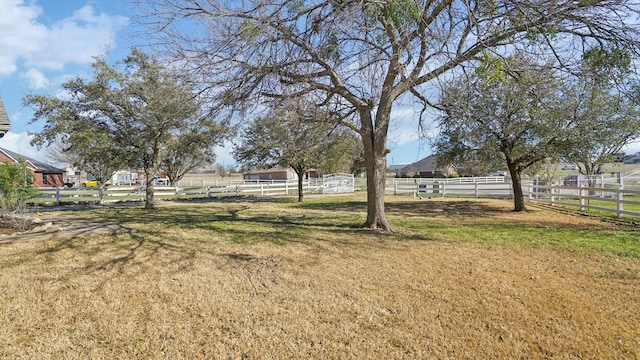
(337, 183)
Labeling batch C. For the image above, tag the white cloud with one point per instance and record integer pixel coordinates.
(36, 78)
(75, 39)
(20, 34)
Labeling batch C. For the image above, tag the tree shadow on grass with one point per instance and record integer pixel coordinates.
(105, 258)
(324, 227)
(412, 208)
(109, 256)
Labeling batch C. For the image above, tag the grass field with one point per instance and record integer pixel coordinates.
(274, 279)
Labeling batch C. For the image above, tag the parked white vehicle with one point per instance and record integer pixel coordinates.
(157, 180)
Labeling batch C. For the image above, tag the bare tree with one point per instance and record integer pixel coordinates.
(56, 152)
(362, 57)
(223, 170)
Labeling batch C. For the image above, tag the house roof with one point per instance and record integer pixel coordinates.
(267, 171)
(4, 118)
(427, 164)
(38, 166)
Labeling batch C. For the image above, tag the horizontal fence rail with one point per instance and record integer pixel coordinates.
(442, 189)
(606, 198)
(59, 196)
(612, 200)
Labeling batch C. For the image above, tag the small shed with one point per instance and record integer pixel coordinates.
(44, 175)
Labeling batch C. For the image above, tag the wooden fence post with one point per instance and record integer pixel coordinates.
(620, 204)
(57, 196)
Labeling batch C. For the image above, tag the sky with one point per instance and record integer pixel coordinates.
(44, 43)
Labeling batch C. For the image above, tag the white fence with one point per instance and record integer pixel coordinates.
(358, 182)
(452, 180)
(621, 180)
(603, 198)
(442, 189)
(59, 196)
(613, 200)
(336, 183)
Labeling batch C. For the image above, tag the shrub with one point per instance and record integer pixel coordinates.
(16, 187)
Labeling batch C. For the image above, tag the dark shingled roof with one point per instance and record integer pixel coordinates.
(39, 165)
(4, 118)
(429, 163)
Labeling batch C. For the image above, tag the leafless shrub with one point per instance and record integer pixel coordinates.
(18, 213)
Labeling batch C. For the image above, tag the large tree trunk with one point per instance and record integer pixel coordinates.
(149, 190)
(516, 180)
(375, 151)
(300, 173)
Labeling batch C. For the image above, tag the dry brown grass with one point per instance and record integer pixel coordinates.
(319, 296)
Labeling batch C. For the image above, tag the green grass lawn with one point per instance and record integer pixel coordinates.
(283, 221)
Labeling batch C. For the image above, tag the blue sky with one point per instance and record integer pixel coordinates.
(46, 42)
(43, 43)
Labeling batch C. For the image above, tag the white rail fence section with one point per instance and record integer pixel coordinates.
(606, 196)
(612, 200)
(334, 183)
(603, 198)
(338, 183)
